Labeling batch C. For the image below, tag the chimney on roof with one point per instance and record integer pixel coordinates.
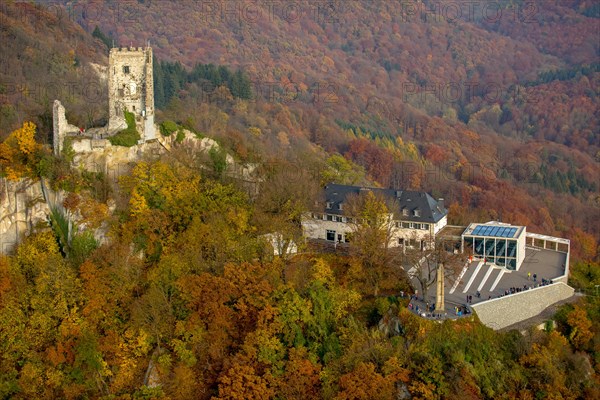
(398, 193)
(441, 203)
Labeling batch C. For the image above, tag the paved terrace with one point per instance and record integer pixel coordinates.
(492, 281)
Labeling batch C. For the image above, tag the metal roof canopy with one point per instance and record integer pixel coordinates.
(548, 238)
(494, 231)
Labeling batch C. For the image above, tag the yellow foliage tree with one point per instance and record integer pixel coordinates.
(581, 326)
(19, 152)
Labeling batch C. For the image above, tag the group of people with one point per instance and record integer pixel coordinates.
(529, 277)
(459, 311)
(470, 297)
(426, 312)
(514, 290)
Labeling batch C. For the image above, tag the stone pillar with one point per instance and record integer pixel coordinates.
(149, 131)
(439, 298)
(59, 122)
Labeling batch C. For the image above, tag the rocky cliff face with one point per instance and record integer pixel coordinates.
(22, 206)
(23, 203)
(116, 160)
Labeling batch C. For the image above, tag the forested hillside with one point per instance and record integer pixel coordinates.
(45, 57)
(501, 99)
(186, 301)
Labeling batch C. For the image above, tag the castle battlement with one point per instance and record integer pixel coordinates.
(128, 49)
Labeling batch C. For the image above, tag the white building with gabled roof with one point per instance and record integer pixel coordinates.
(415, 220)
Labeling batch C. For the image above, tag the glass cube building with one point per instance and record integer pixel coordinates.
(496, 242)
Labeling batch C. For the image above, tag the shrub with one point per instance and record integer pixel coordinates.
(180, 135)
(67, 151)
(82, 245)
(168, 127)
(219, 160)
(129, 136)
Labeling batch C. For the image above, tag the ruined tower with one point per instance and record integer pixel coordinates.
(61, 127)
(131, 87)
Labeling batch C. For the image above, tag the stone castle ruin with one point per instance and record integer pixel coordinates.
(25, 203)
(130, 88)
(61, 127)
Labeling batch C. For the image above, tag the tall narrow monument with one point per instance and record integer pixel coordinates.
(131, 88)
(439, 298)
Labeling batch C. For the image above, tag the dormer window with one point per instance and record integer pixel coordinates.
(125, 69)
(340, 206)
(417, 213)
(405, 212)
(328, 205)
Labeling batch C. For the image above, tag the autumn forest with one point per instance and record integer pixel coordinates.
(497, 110)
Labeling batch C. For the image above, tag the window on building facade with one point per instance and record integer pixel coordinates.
(478, 246)
(331, 235)
(329, 217)
(512, 248)
(489, 247)
(125, 69)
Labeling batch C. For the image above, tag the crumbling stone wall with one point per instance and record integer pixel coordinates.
(61, 127)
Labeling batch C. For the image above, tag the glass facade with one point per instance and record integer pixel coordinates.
(478, 247)
(501, 251)
(512, 249)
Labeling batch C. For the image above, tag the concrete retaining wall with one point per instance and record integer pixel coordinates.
(508, 310)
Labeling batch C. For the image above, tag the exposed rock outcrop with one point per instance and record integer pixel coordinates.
(22, 206)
